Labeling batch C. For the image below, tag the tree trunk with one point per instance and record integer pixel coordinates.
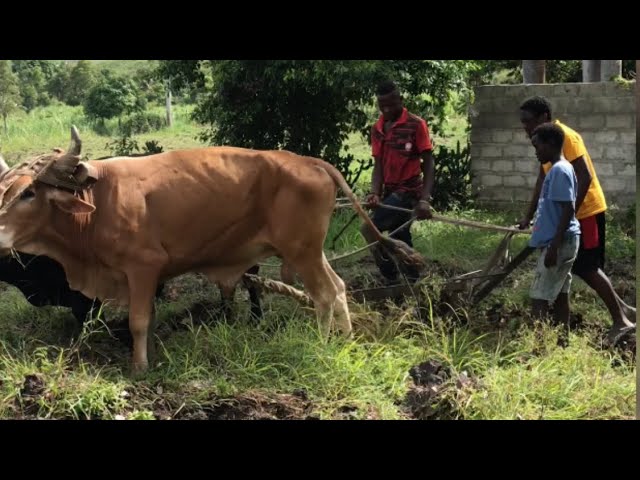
(533, 71)
(610, 69)
(6, 128)
(168, 108)
(590, 71)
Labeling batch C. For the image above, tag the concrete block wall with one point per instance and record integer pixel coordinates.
(503, 161)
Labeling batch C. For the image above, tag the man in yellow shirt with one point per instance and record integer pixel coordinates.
(590, 207)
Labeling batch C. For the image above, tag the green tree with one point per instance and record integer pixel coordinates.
(48, 68)
(112, 97)
(150, 85)
(310, 106)
(32, 82)
(9, 92)
(81, 79)
(58, 85)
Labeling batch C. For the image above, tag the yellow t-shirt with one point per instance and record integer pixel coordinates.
(573, 148)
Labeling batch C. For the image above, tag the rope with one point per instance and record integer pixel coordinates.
(440, 218)
(300, 296)
(340, 257)
(279, 287)
(455, 221)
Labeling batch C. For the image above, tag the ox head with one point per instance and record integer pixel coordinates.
(32, 192)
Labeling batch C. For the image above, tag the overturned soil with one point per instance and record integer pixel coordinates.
(431, 396)
(434, 393)
(250, 406)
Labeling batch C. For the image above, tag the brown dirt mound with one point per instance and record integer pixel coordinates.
(252, 406)
(432, 396)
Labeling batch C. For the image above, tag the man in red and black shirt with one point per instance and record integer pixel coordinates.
(402, 174)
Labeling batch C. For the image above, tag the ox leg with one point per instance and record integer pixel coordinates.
(254, 296)
(321, 288)
(141, 320)
(341, 309)
(287, 275)
(227, 293)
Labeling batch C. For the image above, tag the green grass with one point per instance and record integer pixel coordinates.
(523, 373)
(562, 383)
(46, 128)
(519, 368)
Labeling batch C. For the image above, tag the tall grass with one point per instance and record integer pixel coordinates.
(46, 128)
(521, 369)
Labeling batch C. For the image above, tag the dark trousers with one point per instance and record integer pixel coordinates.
(387, 221)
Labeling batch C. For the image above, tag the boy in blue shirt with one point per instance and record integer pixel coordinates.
(556, 231)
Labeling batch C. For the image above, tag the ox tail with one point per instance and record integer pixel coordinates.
(279, 287)
(405, 254)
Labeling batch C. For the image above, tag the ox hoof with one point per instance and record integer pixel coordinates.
(348, 335)
(138, 369)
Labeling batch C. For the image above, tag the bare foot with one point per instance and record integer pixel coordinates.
(617, 332)
(630, 313)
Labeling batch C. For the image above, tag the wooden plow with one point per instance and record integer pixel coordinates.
(471, 287)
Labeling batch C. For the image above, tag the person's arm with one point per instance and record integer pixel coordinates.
(584, 179)
(424, 146)
(423, 209)
(373, 198)
(524, 223)
(568, 211)
(575, 151)
(562, 190)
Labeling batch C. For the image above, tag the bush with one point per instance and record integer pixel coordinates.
(310, 107)
(113, 97)
(123, 147)
(126, 146)
(452, 183)
(151, 147)
(142, 122)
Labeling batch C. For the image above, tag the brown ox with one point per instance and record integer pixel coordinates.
(121, 226)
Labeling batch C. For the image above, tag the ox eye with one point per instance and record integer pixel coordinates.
(27, 194)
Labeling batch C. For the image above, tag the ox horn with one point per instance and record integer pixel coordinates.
(3, 165)
(67, 170)
(69, 161)
(76, 144)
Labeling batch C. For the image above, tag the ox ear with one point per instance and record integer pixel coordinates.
(70, 203)
(85, 174)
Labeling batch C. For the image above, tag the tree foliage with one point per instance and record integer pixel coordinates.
(310, 106)
(9, 91)
(113, 97)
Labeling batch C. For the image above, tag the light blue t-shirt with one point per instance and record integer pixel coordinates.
(560, 185)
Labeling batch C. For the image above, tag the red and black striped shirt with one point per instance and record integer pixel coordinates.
(399, 150)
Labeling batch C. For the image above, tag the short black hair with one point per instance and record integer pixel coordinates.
(550, 134)
(386, 87)
(537, 105)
